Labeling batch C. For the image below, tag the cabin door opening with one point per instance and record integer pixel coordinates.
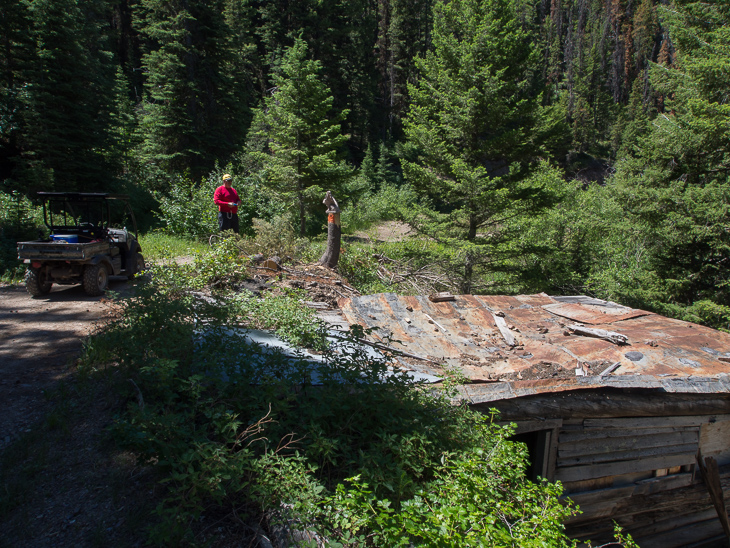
(538, 448)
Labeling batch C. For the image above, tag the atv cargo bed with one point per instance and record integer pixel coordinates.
(60, 251)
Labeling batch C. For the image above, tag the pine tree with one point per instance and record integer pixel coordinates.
(123, 129)
(470, 123)
(301, 134)
(69, 93)
(404, 34)
(677, 185)
(193, 113)
(15, 51)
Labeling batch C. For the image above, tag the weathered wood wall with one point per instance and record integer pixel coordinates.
(636, 470)
(640, 472)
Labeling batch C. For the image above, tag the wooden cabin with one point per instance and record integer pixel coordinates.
(613, 402)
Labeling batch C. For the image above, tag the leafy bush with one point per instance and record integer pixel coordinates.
(162, 245)
(229, 424)
(276, 237)
(374, 207)
(19, 220)
(187, 208)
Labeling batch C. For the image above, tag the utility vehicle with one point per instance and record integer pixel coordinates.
(88, 242)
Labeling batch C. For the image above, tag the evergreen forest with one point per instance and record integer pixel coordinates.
(572, 147)
(564, 146)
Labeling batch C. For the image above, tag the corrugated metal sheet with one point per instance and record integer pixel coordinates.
(463, 334)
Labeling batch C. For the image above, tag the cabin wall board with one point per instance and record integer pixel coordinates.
(682, 537)
(629, 456)
(715, 441)
(607, 403)
(686, 509)
(620, 446)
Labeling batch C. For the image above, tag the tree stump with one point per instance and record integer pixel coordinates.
(334, 232)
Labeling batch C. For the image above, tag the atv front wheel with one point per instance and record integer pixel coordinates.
(36, 283)
(138, 265)
(96, 279)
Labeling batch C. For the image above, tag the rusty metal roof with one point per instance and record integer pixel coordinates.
(547, 353)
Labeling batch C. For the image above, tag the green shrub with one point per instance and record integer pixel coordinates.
(187, 207)
(229, 425)
(374, 207)
(19, 220)
(159, 245)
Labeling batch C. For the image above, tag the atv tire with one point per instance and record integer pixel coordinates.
(138, 265)
(96, 279)
(36, 283)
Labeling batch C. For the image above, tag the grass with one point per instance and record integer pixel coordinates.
(158, 245)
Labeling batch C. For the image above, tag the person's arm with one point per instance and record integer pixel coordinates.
(217, 197)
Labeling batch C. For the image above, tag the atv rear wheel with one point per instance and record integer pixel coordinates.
(96, 279)
(36, 283)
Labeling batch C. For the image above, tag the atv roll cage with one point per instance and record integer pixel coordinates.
(87, 214)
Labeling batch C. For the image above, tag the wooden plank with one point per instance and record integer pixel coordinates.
(441, 297)
(611, 336)
(675, 521)
(628, 443)
(617, 456)
(715, 441)
(573, 424)
(642, 510)
(610, 369)
(666, 483)
(639, 512)
(610, 403)
(681, 537)
(502, 326)
(593, 512)
(552, 464)
(602, 530)
(593, 484)
(601, 495)
(653, 422)
(643, 487)
(532, 426)
(577, 473)
(603, 433)
(711, 477)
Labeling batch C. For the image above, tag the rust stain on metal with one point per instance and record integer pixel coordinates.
(462, 334)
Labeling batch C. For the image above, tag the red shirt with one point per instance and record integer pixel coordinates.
(222, 196)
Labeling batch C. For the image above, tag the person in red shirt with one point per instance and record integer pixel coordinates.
(226, 198)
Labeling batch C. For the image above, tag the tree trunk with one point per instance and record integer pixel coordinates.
(334, 233)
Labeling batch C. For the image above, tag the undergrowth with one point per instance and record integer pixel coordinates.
(339, 445)
(19, 220)
(161, 245)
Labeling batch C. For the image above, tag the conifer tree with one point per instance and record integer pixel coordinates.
(677, 185)
(192, 114)
(69, 94)
(470, 124)
(123, 124)
(15, 52)
(301, 134)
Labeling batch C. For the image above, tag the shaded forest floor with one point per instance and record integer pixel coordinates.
(63, 481)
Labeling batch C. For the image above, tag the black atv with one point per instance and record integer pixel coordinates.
(84, 246)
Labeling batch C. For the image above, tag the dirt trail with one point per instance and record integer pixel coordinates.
(39, 340)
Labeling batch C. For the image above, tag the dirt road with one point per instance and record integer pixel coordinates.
(39, 340)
